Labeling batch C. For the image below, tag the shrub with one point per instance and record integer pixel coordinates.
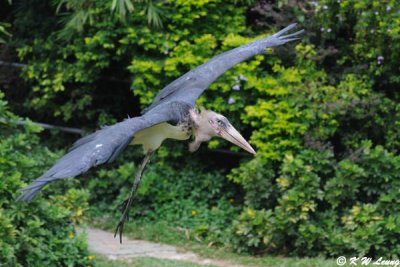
(361, 32)
(41, 232)
(325, 169)
(78, 68)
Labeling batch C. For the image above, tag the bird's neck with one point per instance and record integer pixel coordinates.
(201, 128)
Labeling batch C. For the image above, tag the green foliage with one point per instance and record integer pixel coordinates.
(316, 198)
(153, 56)
(78, 14)
(362, 30)
(144, 262)
(37, 233)
(4, 34)
(185, 196)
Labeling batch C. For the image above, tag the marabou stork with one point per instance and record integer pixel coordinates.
(172, 114)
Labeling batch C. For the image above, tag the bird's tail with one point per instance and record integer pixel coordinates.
(32, 190)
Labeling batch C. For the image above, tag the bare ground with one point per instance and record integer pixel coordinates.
(104, 243)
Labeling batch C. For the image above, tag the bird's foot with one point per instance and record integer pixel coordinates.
(127, 203)
(120, 226)
(119, 229)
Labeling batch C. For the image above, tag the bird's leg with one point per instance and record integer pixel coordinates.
(127, 203)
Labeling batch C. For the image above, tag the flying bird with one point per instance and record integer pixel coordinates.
(172, 114)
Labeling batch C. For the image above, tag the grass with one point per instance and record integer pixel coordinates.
(163, 233)
(102, 261)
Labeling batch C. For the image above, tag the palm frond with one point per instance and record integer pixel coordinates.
(75, 14)
(74, 23)
(4, 34)
(122, 7)
(153, 14)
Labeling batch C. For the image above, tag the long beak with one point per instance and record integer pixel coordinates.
(233, 136)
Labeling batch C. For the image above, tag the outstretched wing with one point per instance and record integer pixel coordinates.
(191, 85)
(103, 146)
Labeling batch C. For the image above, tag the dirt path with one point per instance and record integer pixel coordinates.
(103, 243)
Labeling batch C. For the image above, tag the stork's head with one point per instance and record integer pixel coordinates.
(208, 124)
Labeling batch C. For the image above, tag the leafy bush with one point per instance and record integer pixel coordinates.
(361, 32)
(79, 69)
(324, 172)
(41, 232)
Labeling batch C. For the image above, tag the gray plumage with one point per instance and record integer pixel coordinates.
(191, 85)
(103, 146)
(172, 104)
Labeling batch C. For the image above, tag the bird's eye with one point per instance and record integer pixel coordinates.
(220, 123)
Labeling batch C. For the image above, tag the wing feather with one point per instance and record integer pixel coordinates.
(191, 85)
(100, 147)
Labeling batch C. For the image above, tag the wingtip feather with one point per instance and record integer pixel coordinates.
(286, 29)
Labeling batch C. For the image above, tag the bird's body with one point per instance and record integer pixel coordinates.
(151, 138)
(171, 115)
